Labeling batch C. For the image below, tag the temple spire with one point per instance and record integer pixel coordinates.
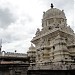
(52, 5)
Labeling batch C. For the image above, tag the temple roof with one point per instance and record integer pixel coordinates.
(54, 12)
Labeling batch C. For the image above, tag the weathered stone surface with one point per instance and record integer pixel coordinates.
(55, 42)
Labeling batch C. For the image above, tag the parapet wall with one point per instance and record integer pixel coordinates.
(11, 54)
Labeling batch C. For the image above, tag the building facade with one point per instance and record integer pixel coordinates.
(54, 43)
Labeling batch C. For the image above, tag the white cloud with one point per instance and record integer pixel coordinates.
(28, 14)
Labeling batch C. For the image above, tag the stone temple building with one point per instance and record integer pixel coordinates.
(54, 43)
(52, 48)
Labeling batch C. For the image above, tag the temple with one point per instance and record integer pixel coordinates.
(52, 48)
(54, 43)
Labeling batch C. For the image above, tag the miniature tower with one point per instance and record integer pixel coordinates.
(32, 54)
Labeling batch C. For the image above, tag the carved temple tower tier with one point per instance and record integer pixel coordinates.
(56, 41)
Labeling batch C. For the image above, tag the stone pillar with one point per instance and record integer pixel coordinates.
(11, 71)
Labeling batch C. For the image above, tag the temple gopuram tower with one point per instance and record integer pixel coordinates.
(55, 42)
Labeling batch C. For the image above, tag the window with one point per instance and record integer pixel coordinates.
(58, 20)
(50, 21)
(53, 47)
